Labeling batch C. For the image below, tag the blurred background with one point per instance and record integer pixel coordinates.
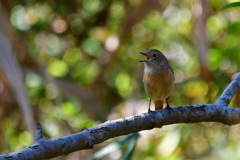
(73, 64)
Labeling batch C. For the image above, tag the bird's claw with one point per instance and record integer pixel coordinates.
(168, 107)
(150, 112)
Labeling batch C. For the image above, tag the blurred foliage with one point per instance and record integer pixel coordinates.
(81, 42)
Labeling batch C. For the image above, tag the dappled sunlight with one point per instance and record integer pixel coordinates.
(79, 61)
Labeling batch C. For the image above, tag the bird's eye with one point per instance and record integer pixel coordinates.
(154, 55)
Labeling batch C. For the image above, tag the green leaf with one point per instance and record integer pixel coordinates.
(231, 5)
(113, 146)
(131, 147)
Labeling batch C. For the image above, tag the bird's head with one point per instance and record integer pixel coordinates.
(154, 58)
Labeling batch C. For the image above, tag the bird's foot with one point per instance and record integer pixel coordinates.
(168, 107)
(150, 112)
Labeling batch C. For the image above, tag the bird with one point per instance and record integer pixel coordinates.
(158, 78)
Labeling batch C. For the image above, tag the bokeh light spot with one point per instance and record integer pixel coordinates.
(31, 16)
(18, 18)
(69, 109)
(195, 89)
(33, 80)
(124, 84)
(58, 68)
(112, 43)
(72, 56)
(59, 25)
(92, 47)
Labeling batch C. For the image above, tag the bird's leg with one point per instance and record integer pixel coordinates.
(167, 107)
(149, 110)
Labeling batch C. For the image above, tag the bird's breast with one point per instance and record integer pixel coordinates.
(158, 85)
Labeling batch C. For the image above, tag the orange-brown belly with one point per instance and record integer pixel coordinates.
(159, 86)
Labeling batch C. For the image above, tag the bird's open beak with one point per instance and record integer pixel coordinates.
(147, 57)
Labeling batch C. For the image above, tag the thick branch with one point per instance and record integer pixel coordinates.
(86, 139)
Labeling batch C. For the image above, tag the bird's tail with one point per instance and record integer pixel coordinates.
(158, 104)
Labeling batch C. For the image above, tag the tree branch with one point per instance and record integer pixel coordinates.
(218, 112)
(14, 74)
(200, 15)
(230, 91)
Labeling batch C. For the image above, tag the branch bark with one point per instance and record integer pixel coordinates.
(217, 112)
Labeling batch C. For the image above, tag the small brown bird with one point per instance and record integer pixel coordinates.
(158, 78)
